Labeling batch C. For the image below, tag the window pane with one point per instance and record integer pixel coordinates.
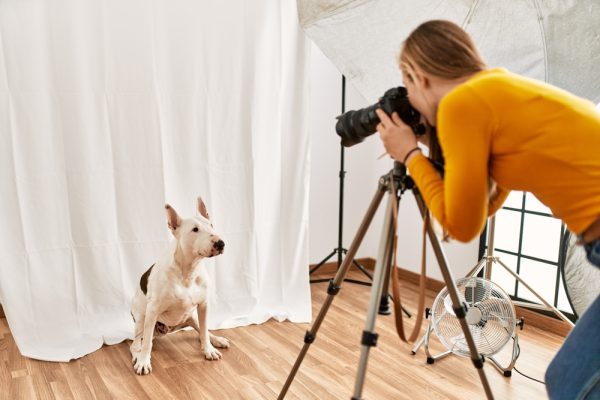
(514, 200)
(541, 237)
(533, 204)
(540, 277)
(500, 276)
(506, 235)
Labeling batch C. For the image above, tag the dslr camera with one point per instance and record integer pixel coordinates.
(354, 126)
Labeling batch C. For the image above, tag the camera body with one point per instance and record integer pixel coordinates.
(354, 126)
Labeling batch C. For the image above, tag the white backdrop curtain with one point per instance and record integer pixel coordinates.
(109, 109)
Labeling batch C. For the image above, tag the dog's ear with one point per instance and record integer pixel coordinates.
(202, 208)
(173, 220)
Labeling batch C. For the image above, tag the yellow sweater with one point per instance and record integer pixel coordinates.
(527, 136)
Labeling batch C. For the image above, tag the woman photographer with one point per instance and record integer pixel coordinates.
(518, 133)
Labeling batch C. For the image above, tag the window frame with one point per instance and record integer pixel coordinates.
(514, 295)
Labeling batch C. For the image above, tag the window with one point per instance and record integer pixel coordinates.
(527, 239)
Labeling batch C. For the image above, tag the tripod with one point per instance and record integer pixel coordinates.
(397, 178)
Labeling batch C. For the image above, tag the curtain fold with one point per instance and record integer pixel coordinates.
(110, 109)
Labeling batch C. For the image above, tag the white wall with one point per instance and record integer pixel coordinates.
(362, 172)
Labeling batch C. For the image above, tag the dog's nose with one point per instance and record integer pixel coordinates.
(219, 245)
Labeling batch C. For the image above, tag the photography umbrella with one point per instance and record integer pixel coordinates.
(556, 41)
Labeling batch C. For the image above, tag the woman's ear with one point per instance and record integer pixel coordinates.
(426, 82)
(422, 81)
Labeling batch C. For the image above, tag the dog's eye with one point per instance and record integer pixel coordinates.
(195, 229)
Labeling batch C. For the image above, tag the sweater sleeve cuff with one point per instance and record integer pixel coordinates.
(416, 161)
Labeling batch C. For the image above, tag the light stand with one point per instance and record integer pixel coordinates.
(340, 250)
(384, 306)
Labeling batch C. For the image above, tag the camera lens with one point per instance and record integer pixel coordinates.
(354, 126)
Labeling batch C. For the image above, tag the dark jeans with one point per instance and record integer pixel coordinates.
(574, 373)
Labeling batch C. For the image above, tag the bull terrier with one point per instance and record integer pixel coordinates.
(173, 293)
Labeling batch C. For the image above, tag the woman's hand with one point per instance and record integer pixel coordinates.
(397, 137)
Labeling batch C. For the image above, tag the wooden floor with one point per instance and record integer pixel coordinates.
(261, 356)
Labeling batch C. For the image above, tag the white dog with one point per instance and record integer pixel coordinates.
(173, 292)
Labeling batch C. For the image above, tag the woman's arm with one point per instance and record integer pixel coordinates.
(459, 201)
(497, 197)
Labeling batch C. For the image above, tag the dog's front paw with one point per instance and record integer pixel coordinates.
(210, 353)
(135, 349)
(142, 364)
(219, 341)
(134, 357)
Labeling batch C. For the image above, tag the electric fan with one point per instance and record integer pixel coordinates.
(490, 316)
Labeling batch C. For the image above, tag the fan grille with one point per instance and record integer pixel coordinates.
(491, 317)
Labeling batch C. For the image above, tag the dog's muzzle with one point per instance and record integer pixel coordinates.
(218, 247)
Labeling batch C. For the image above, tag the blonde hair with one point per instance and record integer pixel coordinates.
(440, 48)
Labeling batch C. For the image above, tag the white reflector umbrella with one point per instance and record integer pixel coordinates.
(556, 41)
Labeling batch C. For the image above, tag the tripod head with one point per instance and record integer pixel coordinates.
(402, 181)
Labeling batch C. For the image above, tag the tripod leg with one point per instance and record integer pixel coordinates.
(460, 310)
(319, 265)
(384, 305)
(362, 269)
(335, 285)
(549, 306)
(382, 269)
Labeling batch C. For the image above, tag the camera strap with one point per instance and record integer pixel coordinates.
(399, 316)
